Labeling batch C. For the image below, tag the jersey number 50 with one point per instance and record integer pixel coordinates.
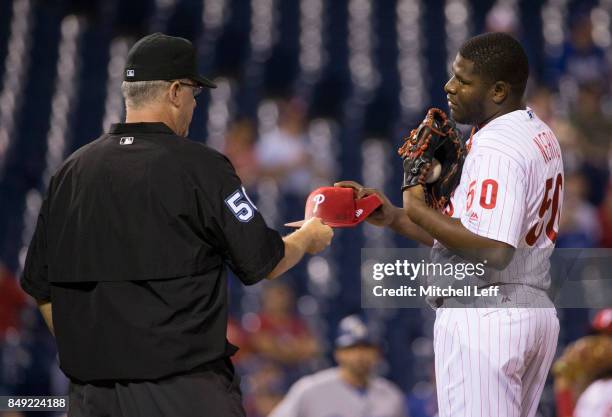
(534, 233)
(488, 194)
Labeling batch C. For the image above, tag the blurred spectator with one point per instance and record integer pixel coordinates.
(605, 218)
(351, 389)
(275, 350)
(28, 359)
(579, 226)
(239, 148)
(581, 60)
(582, 373)
(12, 302)
(544, 103)
(422, 400)
(595, 128)
(283, 152)
(540, 99)
(237, 336)
(264, 387)
(503, 17)
(569, 140)
(283, 336)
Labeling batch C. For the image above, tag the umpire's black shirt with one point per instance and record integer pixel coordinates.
(131, 246)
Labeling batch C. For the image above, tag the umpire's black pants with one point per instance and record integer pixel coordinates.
(212, 391)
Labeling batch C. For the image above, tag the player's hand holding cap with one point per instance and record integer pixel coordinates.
(337, 207)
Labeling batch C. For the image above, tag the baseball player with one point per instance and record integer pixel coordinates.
(596, 401)
(583, 373)
(349, 390)
(505, 211)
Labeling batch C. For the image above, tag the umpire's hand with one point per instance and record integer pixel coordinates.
(318, 235)
(312, 238)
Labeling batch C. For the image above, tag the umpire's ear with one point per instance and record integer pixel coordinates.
(173, 93)
(500, 91)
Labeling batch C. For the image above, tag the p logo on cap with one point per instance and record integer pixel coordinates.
(318, 199)
(337, 207)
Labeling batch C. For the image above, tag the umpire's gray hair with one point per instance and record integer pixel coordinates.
(141, 93)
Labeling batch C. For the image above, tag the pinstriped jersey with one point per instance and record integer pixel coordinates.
(511, 190)
(596, 400)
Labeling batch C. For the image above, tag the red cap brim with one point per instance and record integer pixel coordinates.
(367, 204)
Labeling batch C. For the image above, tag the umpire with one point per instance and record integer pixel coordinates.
(128, 259)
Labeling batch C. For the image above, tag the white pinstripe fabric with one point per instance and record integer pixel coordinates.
(493, 362)
(505, 151)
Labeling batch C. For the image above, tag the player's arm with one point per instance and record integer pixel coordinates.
(491, 223)
(311, 238)
(453, 235)
(389, 215)
(45, 310)
(403, 225)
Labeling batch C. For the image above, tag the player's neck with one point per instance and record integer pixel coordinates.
(355, 381)
(500, 112)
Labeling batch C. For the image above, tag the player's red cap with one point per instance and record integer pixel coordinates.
(602, 322)
(337, 207)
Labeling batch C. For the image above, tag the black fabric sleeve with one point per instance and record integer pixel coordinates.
(250, 247)
(35, 279)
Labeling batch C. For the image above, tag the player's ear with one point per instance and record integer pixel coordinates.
(338, 356)
(500, 90)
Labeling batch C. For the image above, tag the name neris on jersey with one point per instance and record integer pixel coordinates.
(546, 143)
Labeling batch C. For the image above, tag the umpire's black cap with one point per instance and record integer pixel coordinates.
(162, 57)
(352, 331)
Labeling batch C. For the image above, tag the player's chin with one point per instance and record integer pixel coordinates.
(456, 115)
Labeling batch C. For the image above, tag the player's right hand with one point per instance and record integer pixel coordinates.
(319, 235)
(382, 216)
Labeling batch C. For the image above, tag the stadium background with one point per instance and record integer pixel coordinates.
(308, 91)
